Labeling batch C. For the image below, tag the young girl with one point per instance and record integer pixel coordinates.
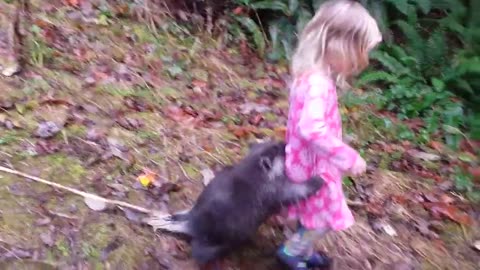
(333, 47)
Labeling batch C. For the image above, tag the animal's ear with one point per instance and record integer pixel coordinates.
(252, 145)
(266, 164)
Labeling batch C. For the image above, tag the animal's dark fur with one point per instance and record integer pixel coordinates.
(238, 200)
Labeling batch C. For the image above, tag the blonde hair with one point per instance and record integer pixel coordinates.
(340, 29)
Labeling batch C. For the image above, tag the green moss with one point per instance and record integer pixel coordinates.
(77, 130)
(62, 247)
(9, 137)
(191, 171)
(143, 34)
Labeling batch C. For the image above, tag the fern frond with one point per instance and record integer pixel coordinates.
(375, 76)
(401, 5)
(397, 52)
(415, 45)
(270, 5)
(424, 5)
(454, 6)
(389, 62)
(379, 12)
(436, 53)
(255, 30)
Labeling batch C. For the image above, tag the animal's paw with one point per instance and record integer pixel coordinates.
(315, 183)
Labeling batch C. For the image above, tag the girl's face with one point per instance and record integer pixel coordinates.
(339, 63)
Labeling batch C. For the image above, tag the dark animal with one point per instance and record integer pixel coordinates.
(237, 201)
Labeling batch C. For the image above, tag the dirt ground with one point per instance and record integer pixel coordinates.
(105, 97)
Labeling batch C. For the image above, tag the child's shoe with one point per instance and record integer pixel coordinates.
(293, 262)
(318, 260)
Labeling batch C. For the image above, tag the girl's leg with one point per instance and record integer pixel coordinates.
(298, 251)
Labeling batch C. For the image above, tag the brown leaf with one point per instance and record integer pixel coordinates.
(169, 187)
(55, 101)
(449, 211)
(255, 120)
(200, 84)
(178, 114)
(137, 104)
(112, 246)
(74, 3)
(241, 131)
(280, 132)
(436, 145)
(129, 123)
(475, 172)
(6, 104)
(238, 11)
(46, 147)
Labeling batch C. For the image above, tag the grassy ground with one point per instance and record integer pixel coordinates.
(127, 97)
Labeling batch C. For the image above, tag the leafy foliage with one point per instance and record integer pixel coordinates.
(430, 70)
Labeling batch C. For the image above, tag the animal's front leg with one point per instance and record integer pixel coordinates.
(205, 253)
(294, 192)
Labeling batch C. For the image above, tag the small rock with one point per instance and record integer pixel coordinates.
(47, 239)
(476, 245)
(208, 175)
(11, 70)
(95, 204)
(43, 221)
(47, 129)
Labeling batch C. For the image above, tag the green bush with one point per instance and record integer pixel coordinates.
(428, 66)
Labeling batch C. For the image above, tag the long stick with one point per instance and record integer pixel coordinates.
(76, 191)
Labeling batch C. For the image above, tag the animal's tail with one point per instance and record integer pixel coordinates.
(176, 223)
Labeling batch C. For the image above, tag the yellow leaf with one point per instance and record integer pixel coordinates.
(146, 179)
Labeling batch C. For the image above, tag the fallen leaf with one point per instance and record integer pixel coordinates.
(118, 187)
(178, 114)
(168, 187)
(449, 211)
(55, 101)
(95, 204)
(46, 147)
(423, 227)
(382, 225)
(112, 246)
(47, 129)
(280, 132)
(6, 104)
(436, 145)
(467, 157)
(17, 253)
(238, 10)
(242, 131)
(129, 123)
(249, 107)
(475, 172)
(423, 155)
(47, 238)
(208, 175)
(137, 104)
(147, 179)
(401, 266)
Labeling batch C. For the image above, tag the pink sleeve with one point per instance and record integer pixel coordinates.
(313, 127)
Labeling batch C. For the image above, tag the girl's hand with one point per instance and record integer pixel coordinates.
(359, 167)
